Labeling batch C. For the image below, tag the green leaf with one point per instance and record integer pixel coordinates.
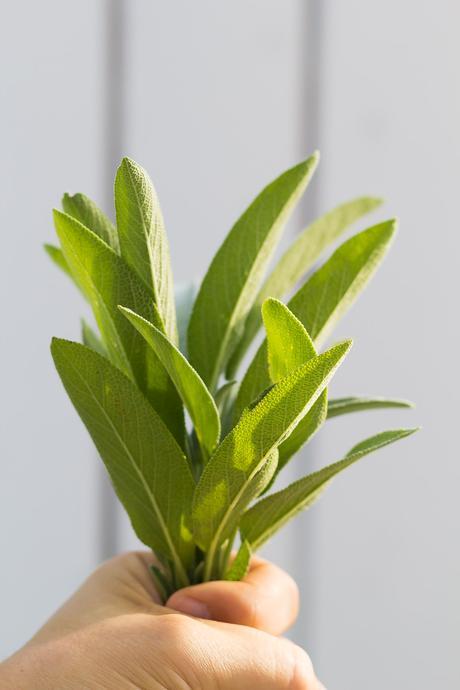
(58, 258)
(148, 469)
(143, 241)
(339, 406)
(230, 285)
(221, 494)
(288, 343)
(91, 339)
(107, 281)
(267, 516)
(162, 584)
(83, 209)
(196, 397)
(321, 302)
(240, 565)
(290, 346)
(185, 296)
(301, 256)
(223, 394)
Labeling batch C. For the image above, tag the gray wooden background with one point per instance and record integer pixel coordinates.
(215, 99)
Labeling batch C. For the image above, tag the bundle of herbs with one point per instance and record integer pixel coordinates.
(193, 453)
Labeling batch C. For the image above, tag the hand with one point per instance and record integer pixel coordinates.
(114, 634)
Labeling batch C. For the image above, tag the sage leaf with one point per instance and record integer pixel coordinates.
(195, 396)
(289, 346)
(58, 258)
(185, 296)
(143, 241)
(218, 500)
(107, 281)
(240, 566)
(231, 283)
(325, 298)
(267, 516)
(299, 258)
(91, 339)
(339, 406)
(148, 469)
(90, 215)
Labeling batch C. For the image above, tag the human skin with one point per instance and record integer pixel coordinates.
(114, 634)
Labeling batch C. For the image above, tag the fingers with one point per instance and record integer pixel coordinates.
(266, 599)
(225, 656)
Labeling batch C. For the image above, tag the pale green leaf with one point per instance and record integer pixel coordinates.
(223, 394)
(143, 241)
(233, 278)
(185, 296)
(240, 566)
(267, 516)
(244, 451)
(325, 297)
(90, 215)
(107, 281)
(148, 469)
(196, 397)
(290, 346)
(91, 339)
(58, 258)
(339, 406)
(295, 263)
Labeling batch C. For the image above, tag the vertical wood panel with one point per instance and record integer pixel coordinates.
(50, 129)
(215, 108)
(387, 562)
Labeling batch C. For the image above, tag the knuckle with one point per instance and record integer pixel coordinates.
(302, 675)
(177, 629)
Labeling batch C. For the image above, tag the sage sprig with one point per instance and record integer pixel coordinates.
(190, 446)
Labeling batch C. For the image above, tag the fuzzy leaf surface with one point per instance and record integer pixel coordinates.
(322, 301)
(143, 241)
(148, 469)
(107, 281)
(90, 215)
(298, 259)
(244, 451)
(339, 406)
(233, 278)
(196, 397)
(290, 346)
(267, 516)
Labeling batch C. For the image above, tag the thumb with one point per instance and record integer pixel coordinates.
(267, 599)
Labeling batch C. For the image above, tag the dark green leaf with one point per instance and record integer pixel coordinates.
(267, 516)
(231, 283)
(107, 281)
(148, 469)
(143, 241)
(325, 297)
(301, 256)
(221, 494)
(196, 397)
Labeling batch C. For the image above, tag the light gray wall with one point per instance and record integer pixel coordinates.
(215, 99)
(387, 566)
(51, 140)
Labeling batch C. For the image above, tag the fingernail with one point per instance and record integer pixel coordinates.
(192, 607)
